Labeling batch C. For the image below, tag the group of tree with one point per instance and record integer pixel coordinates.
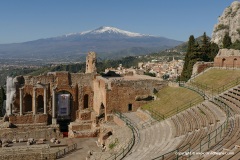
(205, 51)
(227, 42)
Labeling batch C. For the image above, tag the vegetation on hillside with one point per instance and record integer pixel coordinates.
(13, 72)
(227, 42)
(195, 52)
(72, 68)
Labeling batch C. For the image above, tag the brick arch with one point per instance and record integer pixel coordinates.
(235, 62)
(223, 62)
(40, 104)
(27, 102)
(66, 90)
(74, 105)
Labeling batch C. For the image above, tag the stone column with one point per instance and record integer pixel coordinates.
(45, 100)
(21, 101)
(34, 102)
(53, 107)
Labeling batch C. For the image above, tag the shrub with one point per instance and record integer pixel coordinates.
(221, 27)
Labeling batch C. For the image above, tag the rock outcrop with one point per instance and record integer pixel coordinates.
(229, 22)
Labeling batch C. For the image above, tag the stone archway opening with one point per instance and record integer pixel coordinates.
(27, 103)
(85, 101)
(40, 104)
(223, 62)
(64, 106)
(234, 62)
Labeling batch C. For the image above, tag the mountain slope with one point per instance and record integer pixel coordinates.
(103, 40)
(228, 22)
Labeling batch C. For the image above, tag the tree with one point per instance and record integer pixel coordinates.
(213, 51)
(189, 59)
(205, 48)
(236, 45)
(227, 42)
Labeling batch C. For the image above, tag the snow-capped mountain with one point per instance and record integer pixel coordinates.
(104, 41)
(108, 30)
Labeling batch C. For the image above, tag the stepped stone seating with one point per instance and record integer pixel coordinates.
(140, 118)
(154, 140)
(232, 105)
(189, 126)
(231, 140)
(232, 98)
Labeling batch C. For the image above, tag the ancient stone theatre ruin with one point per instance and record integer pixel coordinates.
(75, 102)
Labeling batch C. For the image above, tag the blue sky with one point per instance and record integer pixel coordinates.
(25, 20)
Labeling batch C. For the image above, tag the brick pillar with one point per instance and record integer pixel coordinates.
(34, 102)
(45, 100)
(53, 107)
(21, 102)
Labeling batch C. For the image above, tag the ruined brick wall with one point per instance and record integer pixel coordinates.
(199, 67)
(100, 89)
(28, 119)
(31, 131)
(124, 93)
(77, 84)
(227, 58)
(230, 61)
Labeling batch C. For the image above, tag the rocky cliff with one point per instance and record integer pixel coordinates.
(229, 22)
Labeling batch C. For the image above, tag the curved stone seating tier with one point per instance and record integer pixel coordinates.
(197, 120)
(231, 139)
(139, 118)
(202, 120)
(154, 140)
(233, 98)
(187, 127)
(193, 126)
(234, 95)
(234, 109)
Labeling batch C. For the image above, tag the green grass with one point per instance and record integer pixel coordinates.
(216, 78)
(216, 81)
(170, 98)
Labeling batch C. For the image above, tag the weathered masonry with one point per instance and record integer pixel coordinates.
(76, 102)
(227, 58)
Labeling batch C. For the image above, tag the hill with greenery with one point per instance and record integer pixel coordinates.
(72, 68)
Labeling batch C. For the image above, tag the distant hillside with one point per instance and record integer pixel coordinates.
(106, 41)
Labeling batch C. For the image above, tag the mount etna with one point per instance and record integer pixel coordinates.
(108, 42)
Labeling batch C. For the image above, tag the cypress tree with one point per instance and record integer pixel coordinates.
(227, 42)
(213, 51)
(205, 48)
(186, 73)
